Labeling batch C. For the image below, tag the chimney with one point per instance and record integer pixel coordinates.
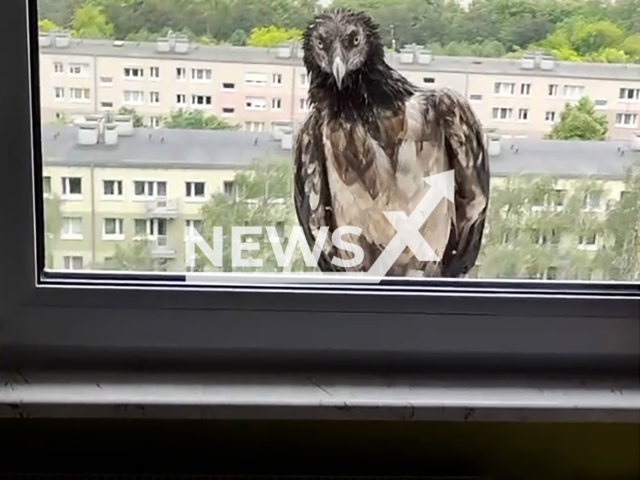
(494, 146)
(61, 38)
(284, 51)
(124, 125)
(286, 143)
(181, 44)
(163, 45)
(546, 62)
(88, 133)
(635, 142)
(528, 61)
(110, 134)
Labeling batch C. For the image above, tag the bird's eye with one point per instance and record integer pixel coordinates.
(356, 40)
(319, 43)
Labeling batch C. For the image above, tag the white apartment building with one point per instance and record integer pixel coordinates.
(261, 87)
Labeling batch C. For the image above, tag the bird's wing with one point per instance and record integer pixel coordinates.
(311, 189)
(467, 155)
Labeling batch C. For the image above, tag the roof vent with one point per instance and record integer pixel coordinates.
(286, 142)
(124, 125)
(111, 134)
(528, 61)
(284, 51)
(406, 55)
(118, 43)
(425, 57)
(635, 142)
(163, 45)
(61, 38)
(546, 62)
(44, 39)
(88, 133)
(181, 44)
(494, 146)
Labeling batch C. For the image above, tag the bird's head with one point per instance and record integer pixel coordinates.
(341, 43)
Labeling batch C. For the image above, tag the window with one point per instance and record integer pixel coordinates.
(588, 241)
(155, 121)
(112, 188)
(550, 116)
(201, 100)
(593, 201)
(181, 73)
(154, 97)
(71, 228)
(276, 79)
(598, 103)
(72, 262)
(254, 126)
(523, 114)
(106, 105)
(229, 188)
(255, 103)
(552, 273)
(304, 80)
(113, 228)
(80, 94)
(46, 185)
(276, 104)
(192, 225)
(106, 81)
(58, 93)
(627, 120)
(181, 99)
(135, 73)
(259, 79)
(553, 90)
(149, 228)
(203, 74)
(194, 189)
(58, 67)
(475, 97)
(502, 113)
(71, 186)
(228, 111)
(79, 69)
(573, 92)
(228, 86)
(525, 89)
(133, 97)
(504, 88)
(303, 105)
(428, 80)
(154, 72)
(149, 188)
(629, 94)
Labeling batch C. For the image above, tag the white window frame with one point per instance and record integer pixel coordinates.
(504, 89)
(71, 259)
(71, 235)
(276, 79)
(262, 103)
(94, 319)
(225, 89)
(119, 230)
(66, 187)
(85, 96)
(190, 191)
(573, 92)
(58, 68)
(498, 118)
(155, 121)
(195, 100)
(154, 73)
(199, 74)
(523, 112)
(152, 228)
(58, 94)
(180, 95)
(623, 94)
(106, 81)
(128, 73)
(150, 189)
(227, 114)
(276, 104)
(118, 185)
(154, 98)
(525, 89)
(303, 105)
(553, 90)
(621, 117)
(131, 94)
(548, 114)
(188, 223)
(256, 79)
(181, 74)
(78, 69)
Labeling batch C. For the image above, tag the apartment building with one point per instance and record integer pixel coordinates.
(259, 88)
(152, 183)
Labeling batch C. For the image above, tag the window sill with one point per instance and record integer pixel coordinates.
(72, 198)
(113, 237)
(321, 396)
(112, 198)
(71, 237)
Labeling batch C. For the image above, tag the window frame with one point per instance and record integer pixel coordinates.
(116, 319)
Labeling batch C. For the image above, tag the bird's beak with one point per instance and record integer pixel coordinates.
(339, 67)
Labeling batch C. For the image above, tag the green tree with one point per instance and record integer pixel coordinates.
(89, 21)
(138, 121)
(580, 122)
(131, 256)
(197, 120)
(46, 25)
(238, 38)
(52, 226)
(261, 197)
(271, 36)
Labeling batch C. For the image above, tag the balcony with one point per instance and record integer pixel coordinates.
(160, 248)
(163, 207)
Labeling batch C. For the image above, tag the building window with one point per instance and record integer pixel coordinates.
(154, 72)
(629, 93)
(592, 201)
(106, 81)
(72, 262)
(106, 105)
(504, 88)
(71, 186)
(588, 241)
(552, 273)
(191, 226)
(600, 103)
(133, 72)
(80, 94)
(181, 73)
(59, 93)
(228, 111)
(46, 185)
(150, 228)
(254, 126)
(255, 103)
(523, 114)
(276, 79)
(154, 98)
(71, 228)
(181, 99)
(155, 121)
(149, 189)
(112, 188)
(304, 80)
(58, 67)
(228, 86)
(525, 89)
(133, 97)
(573, 92)
(113, 228)
(78, 68)
(502, 113)
(229, 188)
(428, 80)
(550, 116)
(475, 97)
(553, 90)
(201, 74)
(255, 79)
(201, 100)
(627, 120)
(276, 104)
(194, 189)
(303, 105)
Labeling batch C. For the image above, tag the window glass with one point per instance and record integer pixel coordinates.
(224, 133)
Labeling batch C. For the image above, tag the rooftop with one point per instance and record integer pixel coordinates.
(256, 55)
(218, 149)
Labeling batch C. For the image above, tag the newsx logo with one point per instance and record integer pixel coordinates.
(406, 226)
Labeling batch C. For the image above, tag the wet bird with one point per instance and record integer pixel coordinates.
(369, 140)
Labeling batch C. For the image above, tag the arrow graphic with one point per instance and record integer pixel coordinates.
(408, 227)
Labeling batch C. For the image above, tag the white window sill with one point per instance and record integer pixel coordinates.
(75, 100)
(133, 104)
(590, 248)
(195, 199)
(227, 89)
(71, 237)
(626, 126)
(112, 198)
(116, 237)
(72, 197)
